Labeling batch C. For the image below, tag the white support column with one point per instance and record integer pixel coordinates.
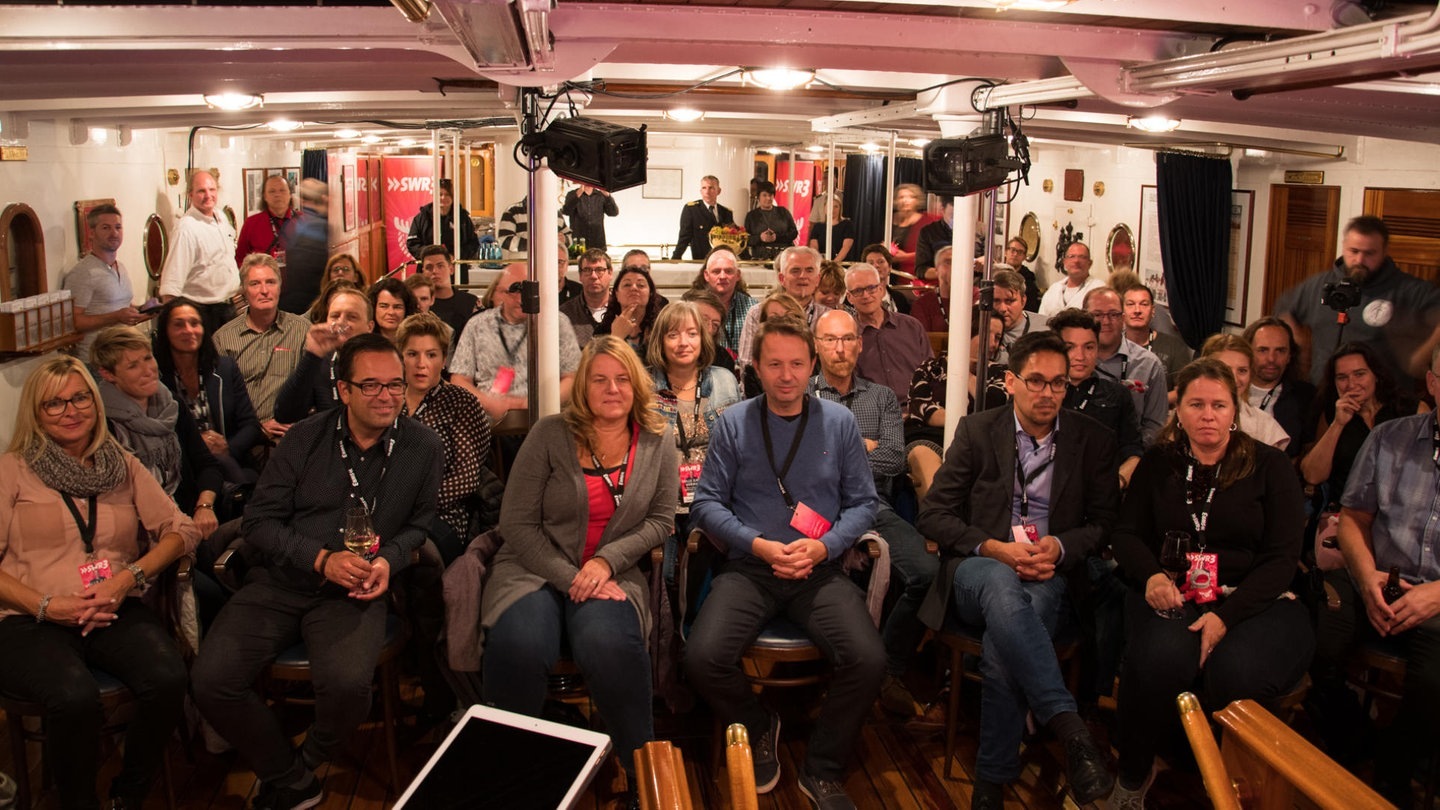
(962, 287)
(435, 184)
(544, 249)
(890, 192)
(830, 249)
(455, 186)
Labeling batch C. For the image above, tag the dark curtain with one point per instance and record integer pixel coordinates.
(313, 163)
(1193, 193)
(865, 186)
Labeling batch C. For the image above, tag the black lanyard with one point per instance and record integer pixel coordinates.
(1436, 440)
(1202, 520)
(500, 332)
(794, 444)
(350, 468)
(1265, 403)
(1027, 479)
(617, 489)
(1124, 369)
(87, 529)
(680, 424)
(1088, 391)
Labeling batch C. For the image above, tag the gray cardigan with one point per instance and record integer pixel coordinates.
(545, 511)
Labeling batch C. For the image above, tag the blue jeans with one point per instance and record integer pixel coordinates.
(914, 571)
(1019, 620)
(605, 641)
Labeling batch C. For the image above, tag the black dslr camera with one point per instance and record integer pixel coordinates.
(1340, 295)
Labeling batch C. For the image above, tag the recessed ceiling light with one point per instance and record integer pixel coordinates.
(773, 150)
(780, 78)
(347, 134)
(919, 141)
(284, 125)
(1031, 5)
(406, 142)
(370, 139)
(234, 101)
(1153, 123)
(815, 148)
(684, 114)
(870, 146)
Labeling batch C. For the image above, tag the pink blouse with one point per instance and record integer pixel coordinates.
(40, 544)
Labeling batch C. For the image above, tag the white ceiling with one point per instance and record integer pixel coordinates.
(146, 66)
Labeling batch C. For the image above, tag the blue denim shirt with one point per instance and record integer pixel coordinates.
(1395, 478)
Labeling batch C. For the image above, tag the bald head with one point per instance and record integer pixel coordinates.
(203, 192)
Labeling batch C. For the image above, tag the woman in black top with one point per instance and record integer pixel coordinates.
(1358, 392)
(634, 304)
(1245, 637)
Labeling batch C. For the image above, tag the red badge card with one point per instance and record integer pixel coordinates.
(809, 522)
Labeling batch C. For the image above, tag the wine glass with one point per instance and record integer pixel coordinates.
(360, 536)
(1174, 560)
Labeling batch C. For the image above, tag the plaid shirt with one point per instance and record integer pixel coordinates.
(878, 414)
(1396, 479)
(740, 305)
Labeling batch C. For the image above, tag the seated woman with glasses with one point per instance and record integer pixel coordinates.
(76, 516)
(454, 414)
(712, 319)
(634, 305)
(146, 419)
(1208, 539)
(311, 386)
(208, 385)
(925, 410)
(600, 483)
(344, 267)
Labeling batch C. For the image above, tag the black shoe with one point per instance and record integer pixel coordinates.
(896, 698)
(824, 794)
(288, 798)
(765, 750)
(987, 796)
(1086, 770)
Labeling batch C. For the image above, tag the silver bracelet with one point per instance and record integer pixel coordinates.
(44, 604)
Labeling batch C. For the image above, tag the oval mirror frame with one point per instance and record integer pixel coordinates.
(1030, 232)
(230, 215)
(1120, 248)
(155, 245)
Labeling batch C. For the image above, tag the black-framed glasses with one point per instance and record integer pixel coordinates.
(1037, 384)
(861, 292)
(597, 270)
(514, 288)
(372, 389)
(83, 401)
(831, 340)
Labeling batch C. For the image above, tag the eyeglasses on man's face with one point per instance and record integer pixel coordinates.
(831, 340)
(372, 389)
(83, 401)
(1113, 315)
(1037, 384)
(866, 291)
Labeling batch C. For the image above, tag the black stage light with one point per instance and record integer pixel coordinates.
(955, 167)
(596, 153)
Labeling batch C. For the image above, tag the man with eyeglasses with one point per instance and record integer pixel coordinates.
(586, 310)
(492, 356)
(1071, 290)
(798, 271)
(1025, 495)
(1010, 305)
(1126, 362)
(1015, 252)
(837, 340)
(357, 459)
(892, 345)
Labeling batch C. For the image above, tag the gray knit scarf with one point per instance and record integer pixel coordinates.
(149, 433)
(62, 472)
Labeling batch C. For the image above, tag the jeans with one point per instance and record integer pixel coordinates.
(605, 640)
(342, 636)
(830, 608)
(1019, 619)
(50, 665)
(914, 571)
(1260, 658)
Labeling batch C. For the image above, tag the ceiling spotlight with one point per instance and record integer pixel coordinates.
(780, 78)
(815, 148)
(370, 139)
(684, 114)
(284, 125)
(1153, 123)
(234, 101)
(919, 141)
(1031, 5)
(870, 146)
(773, 150)
(406, 142)
(347, 134)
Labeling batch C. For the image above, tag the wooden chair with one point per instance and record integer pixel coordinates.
(740, 765)
(1264, 765)
(660, 774)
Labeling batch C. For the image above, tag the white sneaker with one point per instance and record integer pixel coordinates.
(1123, 798)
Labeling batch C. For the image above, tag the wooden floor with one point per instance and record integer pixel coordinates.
(897, 766)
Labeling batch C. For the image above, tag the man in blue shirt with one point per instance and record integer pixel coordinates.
(786, 491)
(1025, 494)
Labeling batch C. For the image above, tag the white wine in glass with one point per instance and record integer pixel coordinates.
(360, 535)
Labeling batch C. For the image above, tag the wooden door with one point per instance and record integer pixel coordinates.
(1304, 221)
(1413, 216)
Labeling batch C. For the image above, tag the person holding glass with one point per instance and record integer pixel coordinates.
(1241, 634)
(601, 480)
(634, 304)
(74, 504)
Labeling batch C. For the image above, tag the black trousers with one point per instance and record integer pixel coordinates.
(50, 665)
(215, 316)
(743, 599)
(1259, 659)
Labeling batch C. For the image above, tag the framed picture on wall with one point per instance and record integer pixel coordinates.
(1237, 279)
(254, 180)
(82, 233)
(292, 176)
(1148, 261)
(663, 184)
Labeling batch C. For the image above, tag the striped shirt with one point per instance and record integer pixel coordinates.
(266, 358)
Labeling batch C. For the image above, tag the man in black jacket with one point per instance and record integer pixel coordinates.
(422, 227)
(1276, 387)
(698, 217)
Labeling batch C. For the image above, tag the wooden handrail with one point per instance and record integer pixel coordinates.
(740, 766)
(660, 777)
(1207, 754)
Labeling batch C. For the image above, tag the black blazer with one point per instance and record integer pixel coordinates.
(970, 500)
(1295, 410)
(695, 225)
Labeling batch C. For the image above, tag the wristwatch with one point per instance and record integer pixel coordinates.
(139, 574)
